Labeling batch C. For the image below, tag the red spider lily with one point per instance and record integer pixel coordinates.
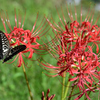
(84, 30)
(19, 36)
(72, 47)
(47, 97)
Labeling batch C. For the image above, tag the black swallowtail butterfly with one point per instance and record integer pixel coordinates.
(6, 51)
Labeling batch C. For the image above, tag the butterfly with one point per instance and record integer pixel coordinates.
(6, 51)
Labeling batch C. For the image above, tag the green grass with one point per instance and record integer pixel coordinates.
(12, 81)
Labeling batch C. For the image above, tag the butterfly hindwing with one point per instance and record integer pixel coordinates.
(14, 51)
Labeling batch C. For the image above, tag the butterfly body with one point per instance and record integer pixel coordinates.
(6, 51)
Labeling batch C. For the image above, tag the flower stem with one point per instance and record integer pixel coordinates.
(63, 86)
(27, 82)
(67, 88)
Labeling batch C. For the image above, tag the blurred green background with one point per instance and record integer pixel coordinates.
(12, 81)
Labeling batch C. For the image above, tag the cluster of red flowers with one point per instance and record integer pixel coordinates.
(75, 52)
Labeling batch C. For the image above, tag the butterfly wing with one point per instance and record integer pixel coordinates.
(14, 51)
(4, 45)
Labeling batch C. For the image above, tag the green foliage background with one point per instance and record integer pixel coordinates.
(12, 81)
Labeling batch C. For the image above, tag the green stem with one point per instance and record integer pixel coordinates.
(27, 82)
(63, 86)
(67, 88)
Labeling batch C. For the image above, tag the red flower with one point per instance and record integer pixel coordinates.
(19, 36)
(72, 47)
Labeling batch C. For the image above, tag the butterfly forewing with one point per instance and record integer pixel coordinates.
(4, 45)
(14, 51)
